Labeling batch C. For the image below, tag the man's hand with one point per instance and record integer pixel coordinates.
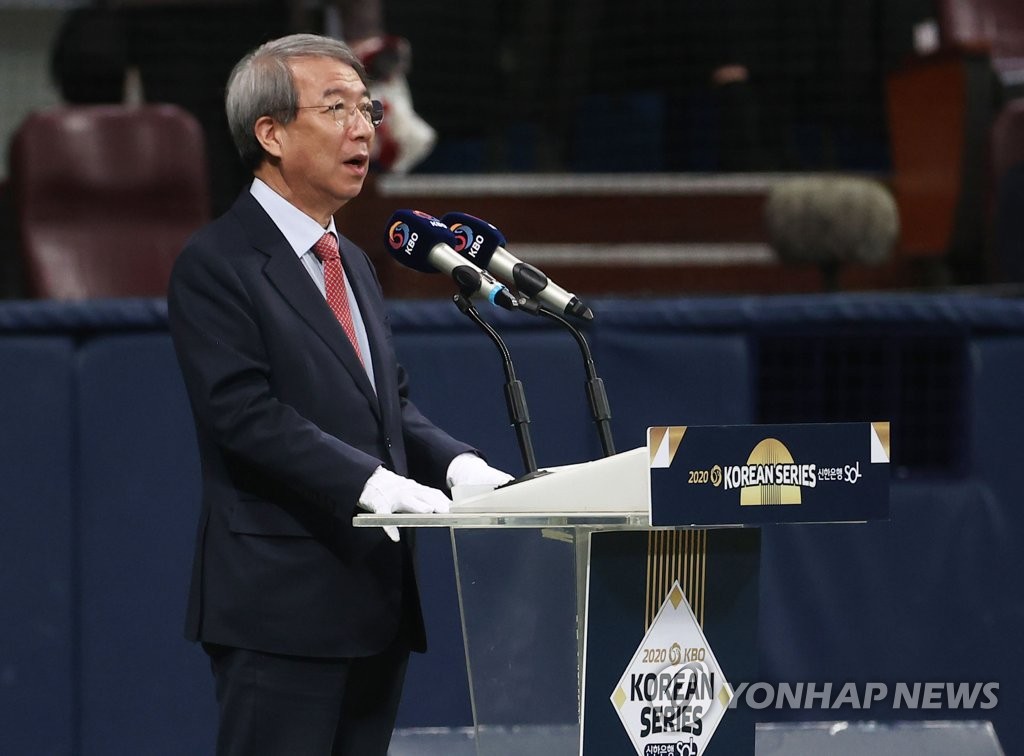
(470, 470)
(385, 493)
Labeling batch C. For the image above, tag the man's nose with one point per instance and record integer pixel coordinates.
(360, 128)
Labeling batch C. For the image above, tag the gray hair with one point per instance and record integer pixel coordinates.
(261, 84)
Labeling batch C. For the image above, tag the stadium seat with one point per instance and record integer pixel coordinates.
(105, 197)
(943, 111)
(939, 116)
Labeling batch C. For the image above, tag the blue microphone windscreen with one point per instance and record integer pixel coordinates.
(476, 239)
(411, 234)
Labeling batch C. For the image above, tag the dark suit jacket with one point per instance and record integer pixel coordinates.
(289, 431)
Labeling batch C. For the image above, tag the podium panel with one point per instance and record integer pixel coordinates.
(518, 600)
(631, 573)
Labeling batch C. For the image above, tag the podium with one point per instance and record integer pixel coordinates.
(609, 607)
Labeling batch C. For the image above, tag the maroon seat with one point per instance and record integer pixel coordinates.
(105, 197)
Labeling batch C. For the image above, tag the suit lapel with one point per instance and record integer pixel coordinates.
(292, 281)
(364, 286)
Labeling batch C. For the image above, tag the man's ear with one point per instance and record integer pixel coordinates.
(269, 133)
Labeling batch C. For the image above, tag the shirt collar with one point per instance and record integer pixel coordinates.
(301, 231)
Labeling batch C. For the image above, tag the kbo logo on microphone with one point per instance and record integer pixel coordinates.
(465, 237)
(399, 236)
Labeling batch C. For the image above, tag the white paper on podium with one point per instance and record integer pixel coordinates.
(620, 483)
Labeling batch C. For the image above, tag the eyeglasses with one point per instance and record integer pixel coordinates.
(372, 111)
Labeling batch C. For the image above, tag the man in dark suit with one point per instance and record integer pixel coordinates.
(303, 418)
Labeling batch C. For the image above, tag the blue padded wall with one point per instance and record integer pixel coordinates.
(457, 380)
(889, 602)
(37, 631)
(101, 485)
(144, 689)
(930, 595)
(668, 376)
(997, 364)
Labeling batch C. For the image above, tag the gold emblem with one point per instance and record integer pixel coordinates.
(769, 453)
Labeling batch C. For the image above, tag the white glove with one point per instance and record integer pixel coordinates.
(470, 470)
(385, 492)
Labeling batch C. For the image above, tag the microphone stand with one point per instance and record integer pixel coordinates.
(600, 410)
(515, 397)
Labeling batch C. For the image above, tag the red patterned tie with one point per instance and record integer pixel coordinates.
(334, 282)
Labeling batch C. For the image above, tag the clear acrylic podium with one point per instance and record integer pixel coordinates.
(523, 628)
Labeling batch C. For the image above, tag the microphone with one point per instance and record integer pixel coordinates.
(482, 244)
(422, 242)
